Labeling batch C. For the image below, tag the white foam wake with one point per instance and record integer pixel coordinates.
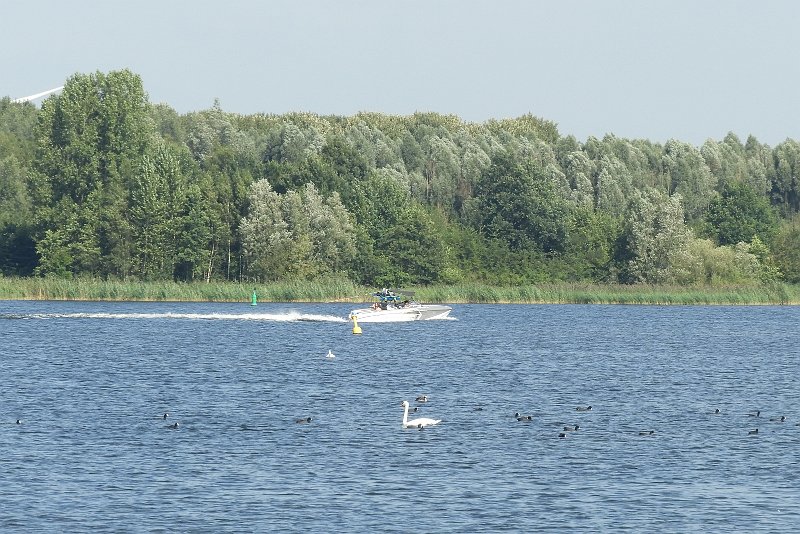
(270, 317)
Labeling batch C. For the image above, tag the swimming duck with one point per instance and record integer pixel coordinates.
(304, 420)
(583, 408)
(422, 398)
(752, 432)
(572, 428)
(754, 414)
(780, 419)
(646, 432)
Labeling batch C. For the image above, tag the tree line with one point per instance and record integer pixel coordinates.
(101, 182)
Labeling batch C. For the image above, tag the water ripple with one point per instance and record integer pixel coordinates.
(90, 383)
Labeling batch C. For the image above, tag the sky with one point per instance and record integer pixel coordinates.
(690, 70)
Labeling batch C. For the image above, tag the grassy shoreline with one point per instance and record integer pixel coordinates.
(340, 290)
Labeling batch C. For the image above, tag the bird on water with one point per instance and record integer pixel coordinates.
(420, 422)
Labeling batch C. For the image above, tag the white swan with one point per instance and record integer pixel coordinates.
(421, 422)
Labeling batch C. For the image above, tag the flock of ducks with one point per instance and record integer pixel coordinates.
(566, 429)
(423, 422)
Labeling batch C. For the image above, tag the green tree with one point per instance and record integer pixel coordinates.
(296, 235)
(654, 236)
(157, 196)
(786, 250)
(17, 122)
(518, 203)
(590, 248)
(90, 141)
(739, 214)
(786, 177)
(689, 177)
(17, 249)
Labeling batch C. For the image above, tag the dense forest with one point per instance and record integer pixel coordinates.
(101, 182)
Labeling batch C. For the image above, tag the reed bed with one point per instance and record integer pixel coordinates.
(96, 289)
(337, 289)
(613, 294)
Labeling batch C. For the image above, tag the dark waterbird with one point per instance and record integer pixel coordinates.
(583, 408)
(780, 419)
(304, 420)
(572, 428)
(754, 414)
(521, 417)
(646, 432)
(753, 432)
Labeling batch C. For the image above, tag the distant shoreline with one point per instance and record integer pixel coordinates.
(335, 290)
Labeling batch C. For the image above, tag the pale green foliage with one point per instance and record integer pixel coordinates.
(377, 149)
(440, 170)
(726, 160)
(689, 177)
(767, 271)
(299, 234)
(703, 263)
(787, 250)
(656, 234)
(578, 171)
(330, 229)
(292, 144)
(613, 185)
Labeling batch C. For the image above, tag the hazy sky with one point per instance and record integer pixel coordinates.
(683, 69)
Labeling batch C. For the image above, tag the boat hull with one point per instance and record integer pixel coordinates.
(421, 312)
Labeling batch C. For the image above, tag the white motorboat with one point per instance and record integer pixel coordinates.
(392, 307)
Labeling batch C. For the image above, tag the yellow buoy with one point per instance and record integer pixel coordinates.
(356, 328)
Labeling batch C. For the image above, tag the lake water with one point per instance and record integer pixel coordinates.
(90, 383)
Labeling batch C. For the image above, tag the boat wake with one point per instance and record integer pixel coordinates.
(286, 317)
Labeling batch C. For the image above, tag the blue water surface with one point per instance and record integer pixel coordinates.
(90, 383)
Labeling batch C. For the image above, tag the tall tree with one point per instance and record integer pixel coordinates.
(90, 141)
(518, 202)
(17, 249)
(739, 214)
(298, 234)
(653, 237)
(689, 177)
